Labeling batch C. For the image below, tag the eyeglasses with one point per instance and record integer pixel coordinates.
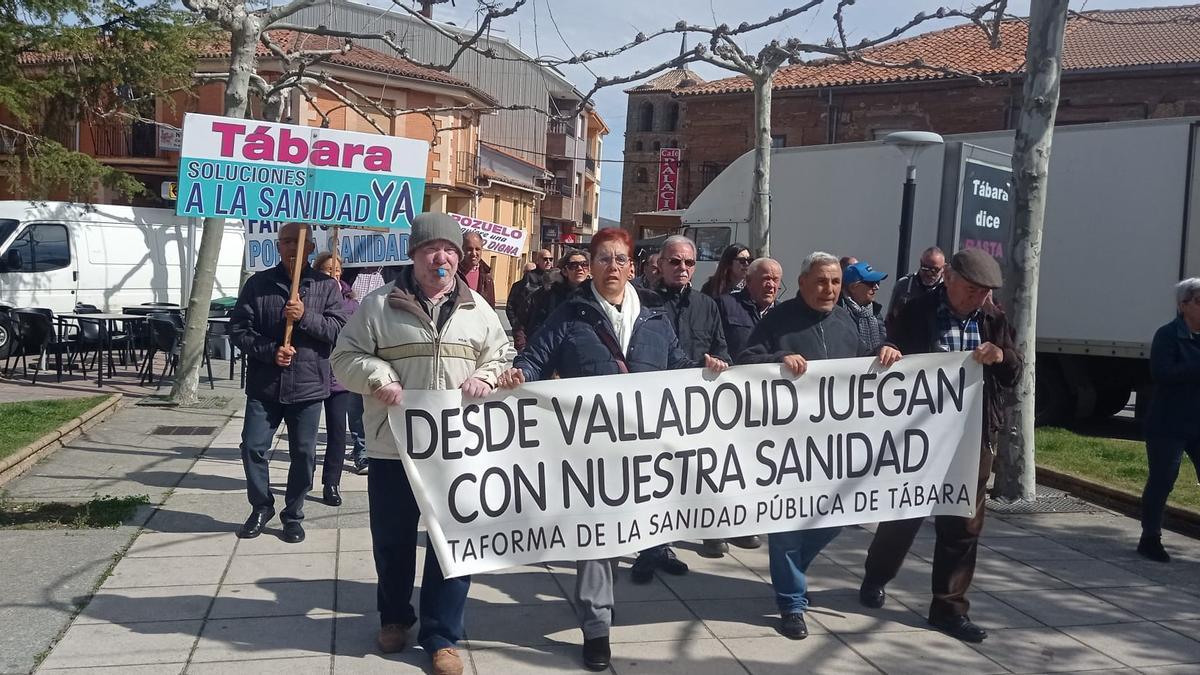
(577, 265)
(868, 284)
(676, 262)
(619, 260)
(931, 270)
(744, 262)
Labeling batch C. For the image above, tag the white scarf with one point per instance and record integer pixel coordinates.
(623, 319)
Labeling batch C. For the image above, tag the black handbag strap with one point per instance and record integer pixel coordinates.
(611, 342)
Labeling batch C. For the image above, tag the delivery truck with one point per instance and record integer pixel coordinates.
(1121, 229)
(56, 255)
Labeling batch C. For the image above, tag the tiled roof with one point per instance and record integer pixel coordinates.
(1112, 39)
(669, 81)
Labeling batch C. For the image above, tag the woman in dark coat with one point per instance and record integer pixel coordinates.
(1173, 422)
(731, 271)
(339, 406)
(606, 327)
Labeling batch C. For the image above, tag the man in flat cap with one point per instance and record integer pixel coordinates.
(955, 318)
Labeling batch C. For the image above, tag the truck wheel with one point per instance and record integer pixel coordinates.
(6, 338)
(1053, 403)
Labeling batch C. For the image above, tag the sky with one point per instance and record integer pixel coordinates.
(565, 27)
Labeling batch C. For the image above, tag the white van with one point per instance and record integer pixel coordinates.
(57, 255)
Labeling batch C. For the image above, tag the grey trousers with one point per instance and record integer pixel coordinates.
(594, 596)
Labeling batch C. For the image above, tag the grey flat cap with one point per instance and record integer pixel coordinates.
(430, 226)
(977, 267)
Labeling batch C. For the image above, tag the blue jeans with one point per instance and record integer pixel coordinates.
(258, 434)
(394, 516)
(1164, 456)
(791, 553)
(358, 434)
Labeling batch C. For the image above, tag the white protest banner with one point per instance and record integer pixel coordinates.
(602, 467)
(498, 238)
(240, 168)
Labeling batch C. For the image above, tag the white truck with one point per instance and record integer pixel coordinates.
(57, 255)
(1121, 228)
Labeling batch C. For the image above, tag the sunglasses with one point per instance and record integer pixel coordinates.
(577, 265)
(931, 270)
(547, 259)
(744, 262)
(676, 262)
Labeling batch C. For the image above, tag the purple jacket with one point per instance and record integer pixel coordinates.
(349, 307)
(257, 326)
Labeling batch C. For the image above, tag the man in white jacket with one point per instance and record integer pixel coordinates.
(426, 330)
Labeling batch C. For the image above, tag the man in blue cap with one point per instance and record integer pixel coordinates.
(860, 283)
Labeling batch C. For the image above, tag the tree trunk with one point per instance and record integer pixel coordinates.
(1016, 475)
(243, 42)
(760, 199)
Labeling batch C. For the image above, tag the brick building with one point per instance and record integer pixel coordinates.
(1118, 65)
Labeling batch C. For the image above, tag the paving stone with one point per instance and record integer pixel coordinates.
(1065, 608)
(553, 623)
(299, 598)
(181, 544)
(689, 657)
(742, 617)
(669, 620)
(358, 597)
(997, 573)
(315, 541)
(525, 585)
(842, 613)
(778, 655)
(356, 652)
(355, 564)
(920, 653)
(1042, 651)
(157, 669)
(355, 539)
(1090, 573)
(310, 665)
(528, 660)
(158, 603)
(111, 644)
(173, 571)
(276, 637)
(1025, 549)
(255, 569)
(1156, 603)
(1139, 644)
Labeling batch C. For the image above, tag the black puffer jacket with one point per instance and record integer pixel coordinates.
(257, 326)
(795, 328)
(697, 322)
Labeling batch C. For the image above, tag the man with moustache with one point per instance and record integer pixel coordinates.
(954, 318)
(806, 328)
(284, 383)
(429, 331)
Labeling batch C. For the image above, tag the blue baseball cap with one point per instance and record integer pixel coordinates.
(861, 271)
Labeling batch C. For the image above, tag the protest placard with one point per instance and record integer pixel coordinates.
(497, 238)
(573, 469)
(240, 168)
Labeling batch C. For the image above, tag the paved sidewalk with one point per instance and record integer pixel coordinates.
(1058, 592)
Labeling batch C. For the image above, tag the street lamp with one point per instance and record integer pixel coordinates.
(910, 143)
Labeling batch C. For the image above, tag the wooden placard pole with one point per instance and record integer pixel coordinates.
(301, 257)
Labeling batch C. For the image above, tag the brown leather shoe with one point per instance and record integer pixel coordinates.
(393, 637)
(446, 662)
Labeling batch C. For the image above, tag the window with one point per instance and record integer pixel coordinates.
(709, 172)
(638, 146)
(646, 116)
(641, 176)
(657, 146)
(496, 210)
(711, 242)
(40, 248)
(778, 140)
(673, 117)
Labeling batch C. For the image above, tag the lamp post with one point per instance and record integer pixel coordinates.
(910, 143)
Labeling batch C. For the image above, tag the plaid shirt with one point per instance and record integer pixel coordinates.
(955, 335)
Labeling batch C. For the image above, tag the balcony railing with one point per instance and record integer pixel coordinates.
(590, 165)
(467, 168)
(565, 127)
(137, 139)
(560, 188)
(587, 218)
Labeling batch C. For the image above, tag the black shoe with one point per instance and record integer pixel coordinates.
(714, 548)
(1152, 548)
(596, 653)
(360, 466)
(793, 627)
(333, 495)
(959, 627)
(293, 532)
(643, 568)
(750, 542)
(670, 564)
(255, 523)
(872, 596)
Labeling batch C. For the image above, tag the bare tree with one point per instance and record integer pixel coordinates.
(1016, 476)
